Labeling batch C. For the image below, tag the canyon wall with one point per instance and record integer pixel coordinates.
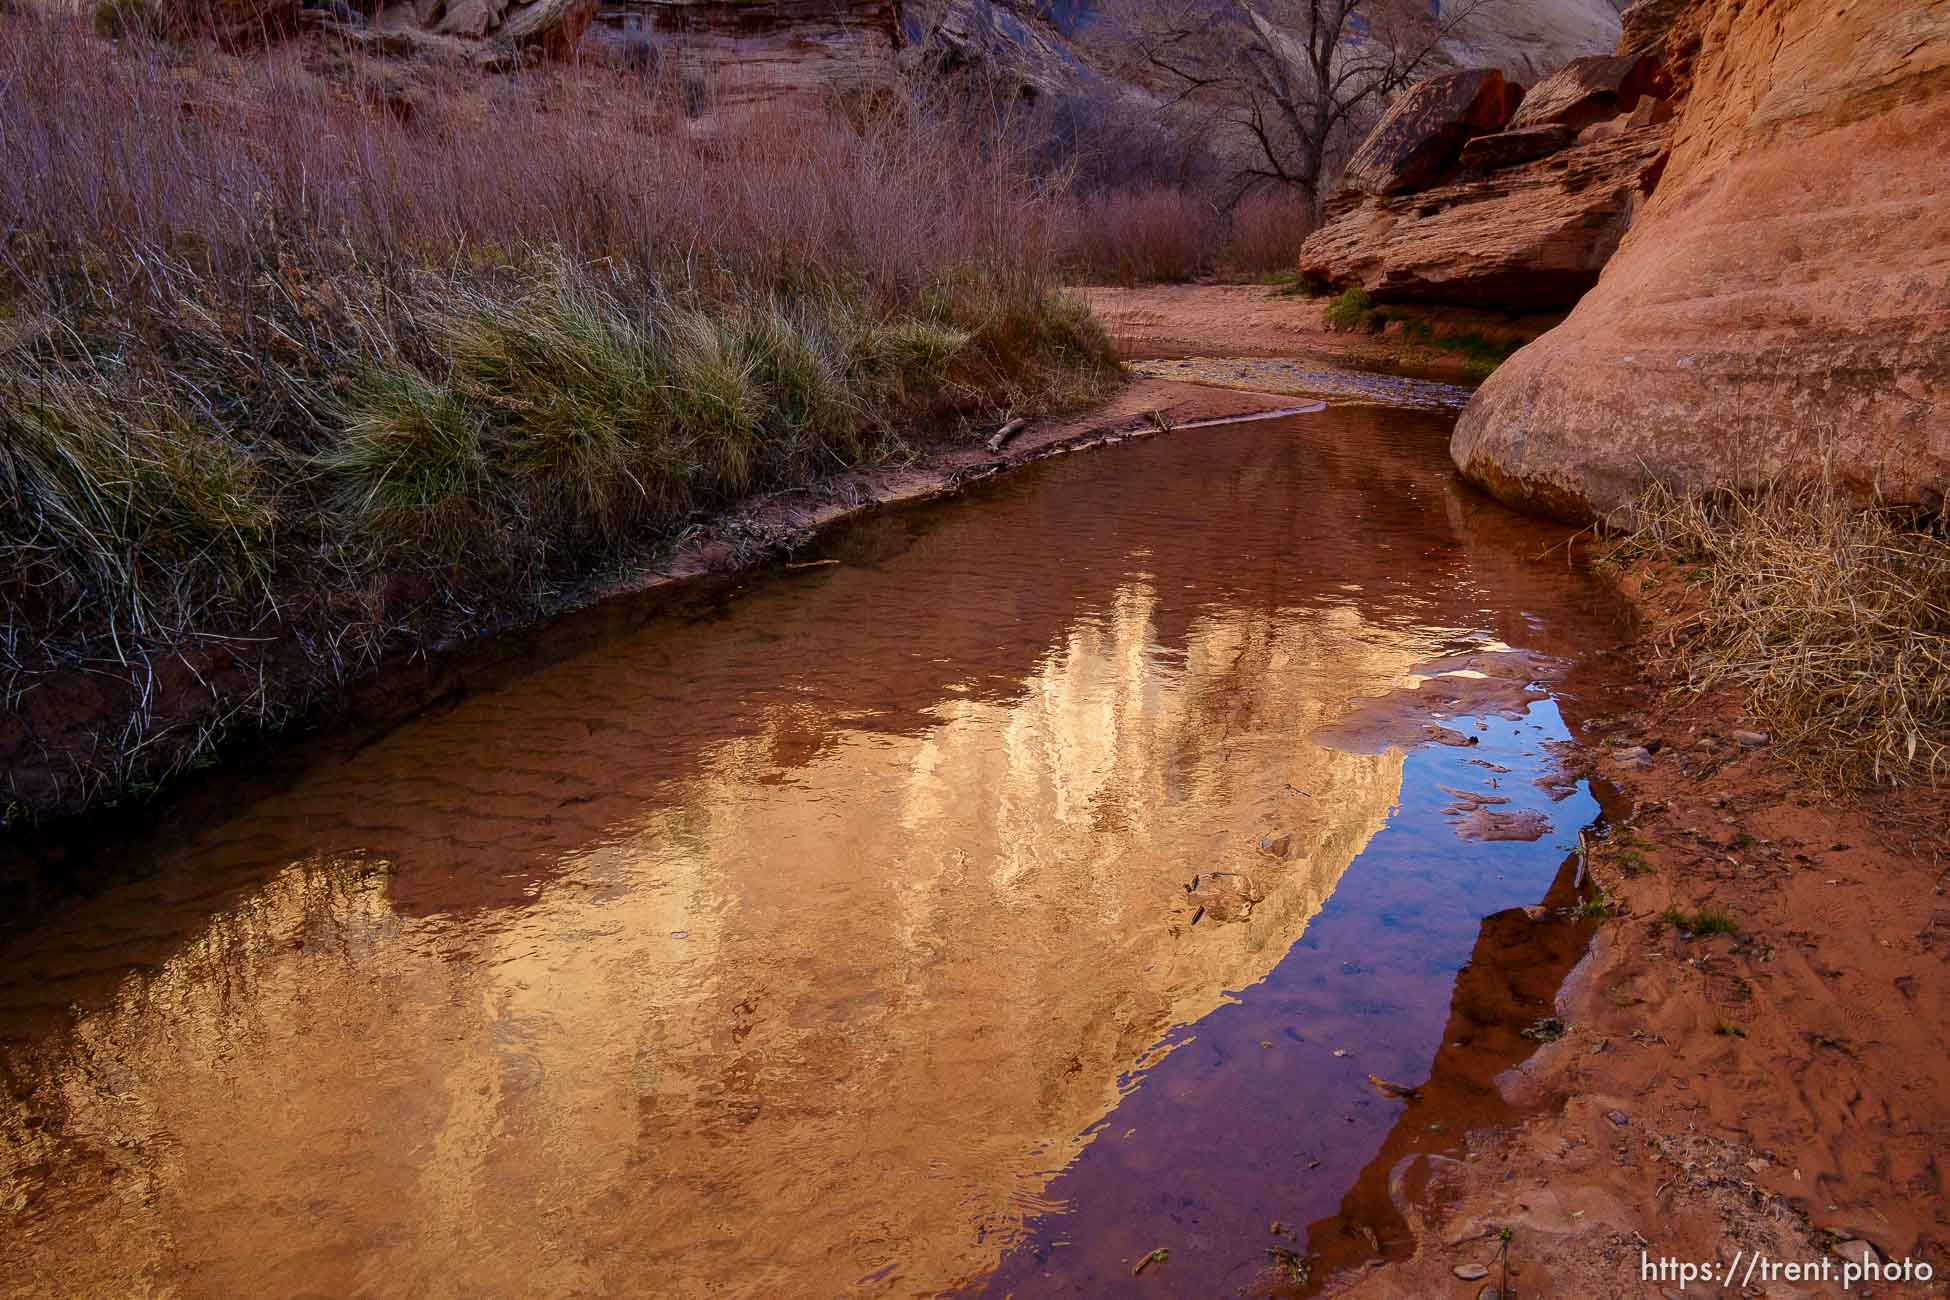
(1780, 307)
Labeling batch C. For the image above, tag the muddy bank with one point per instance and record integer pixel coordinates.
(1776, 1089)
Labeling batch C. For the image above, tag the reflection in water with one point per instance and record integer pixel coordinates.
(803, 946)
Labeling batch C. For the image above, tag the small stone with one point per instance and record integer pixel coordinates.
(1633, 754)
(1618, 1117)
(1751, 739)
(1471, 1272)
(1489, 1293)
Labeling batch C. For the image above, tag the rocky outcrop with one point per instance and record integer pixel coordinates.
(1781, 308)
(1519, 144)
(735, 58)
(1528, 237)
(1590, 90)
(1418, 138)
(998, 41)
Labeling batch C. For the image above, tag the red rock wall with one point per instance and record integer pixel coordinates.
(1783, 299)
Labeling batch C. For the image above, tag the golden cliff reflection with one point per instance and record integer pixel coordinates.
(793, 1025)
(785, 944)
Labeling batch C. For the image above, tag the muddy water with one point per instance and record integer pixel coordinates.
(1033, 887)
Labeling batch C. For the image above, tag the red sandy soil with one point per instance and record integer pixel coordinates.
(1258, 320)
(1782, 1090)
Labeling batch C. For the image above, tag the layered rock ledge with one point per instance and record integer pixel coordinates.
(1529, 237)
(1781, 309)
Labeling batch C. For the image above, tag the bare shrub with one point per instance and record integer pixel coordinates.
(1157, 233)
(1267, 229)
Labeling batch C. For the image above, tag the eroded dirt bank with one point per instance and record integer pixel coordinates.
(1779, 1089)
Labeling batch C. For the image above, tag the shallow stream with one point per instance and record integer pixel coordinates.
(1073, 870)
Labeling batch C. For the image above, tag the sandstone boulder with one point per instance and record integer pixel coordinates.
(1418, 138)
(1782, 307)
(1520, 144)
(1592, 89)
(1528, 237)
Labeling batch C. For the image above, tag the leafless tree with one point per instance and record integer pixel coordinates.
(1298, 79)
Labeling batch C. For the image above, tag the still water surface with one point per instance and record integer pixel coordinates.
(1037, 886)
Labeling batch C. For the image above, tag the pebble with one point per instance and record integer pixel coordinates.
(1471, 1272)
(1489, 1293)
(1750, 739)
(1618, 1117)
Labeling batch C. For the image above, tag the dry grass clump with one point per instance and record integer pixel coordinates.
(287, 382)
(1833, 617)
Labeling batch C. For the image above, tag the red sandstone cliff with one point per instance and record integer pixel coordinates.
(1782, 300)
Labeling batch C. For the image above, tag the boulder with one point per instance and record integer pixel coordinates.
(1418, 138)
(470, 18)
(1592, 89)
(1486, 153)
(1526, 237)
(1781, 309)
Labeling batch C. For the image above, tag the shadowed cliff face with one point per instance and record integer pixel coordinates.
(739, 58)
(746, 55)
(774, 949)
(1778, 308)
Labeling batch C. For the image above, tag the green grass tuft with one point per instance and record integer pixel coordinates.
(1353, 310)
(1707, 920)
